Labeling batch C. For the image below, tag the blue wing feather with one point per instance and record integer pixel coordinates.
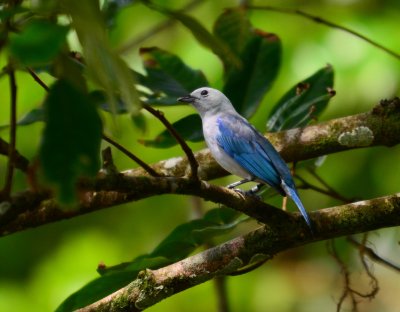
(253, 152)
(240, 141)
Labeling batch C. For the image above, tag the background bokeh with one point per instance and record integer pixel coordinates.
(40, 267)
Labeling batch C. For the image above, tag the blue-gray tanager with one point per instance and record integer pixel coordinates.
(238, 147)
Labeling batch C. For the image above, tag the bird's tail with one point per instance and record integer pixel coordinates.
(292, 193)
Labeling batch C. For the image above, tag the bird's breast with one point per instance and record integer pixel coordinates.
(211, 132)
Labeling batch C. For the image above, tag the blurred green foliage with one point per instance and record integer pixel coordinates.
(41, 267)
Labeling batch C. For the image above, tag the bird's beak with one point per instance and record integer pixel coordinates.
(187, 99)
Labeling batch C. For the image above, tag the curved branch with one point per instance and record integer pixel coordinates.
(152, 286)
(21, 162)
(189, 154)
(325, 22)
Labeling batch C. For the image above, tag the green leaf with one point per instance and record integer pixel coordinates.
(102, 101)
(304, 102)
(189, 128)
(182, 241)
(234, 28)
(71, 138)
(103, 64)
(7, 12)
(139, 121)
(31, 117)
(39, 42)
(202, 35)
(168, 77)
(246, 86)
(95, 290)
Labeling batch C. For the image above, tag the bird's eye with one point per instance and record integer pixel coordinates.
(204, 92)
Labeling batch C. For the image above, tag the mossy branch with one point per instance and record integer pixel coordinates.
(152, 286)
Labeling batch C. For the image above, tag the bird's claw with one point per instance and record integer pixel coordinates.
(247, 193)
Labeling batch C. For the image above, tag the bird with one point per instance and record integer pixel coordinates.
(239, 147)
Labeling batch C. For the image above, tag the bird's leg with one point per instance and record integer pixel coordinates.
(252, 192)
(255, 189)
(284, 203)
(237, 183)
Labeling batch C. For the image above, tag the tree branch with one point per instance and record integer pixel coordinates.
(381, 126)
(325, 22)
(132, 156)
(6, 191)
(152, 286)
(189, 154)
(20, 161)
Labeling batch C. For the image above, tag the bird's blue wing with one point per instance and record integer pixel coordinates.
(243, 143)
(251, 150)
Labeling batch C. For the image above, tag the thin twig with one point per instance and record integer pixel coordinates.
(373, 280)
(20, 161)
(331, 189)
(222, 294)
(367, 251)
(189, 154)
(37, 79)
(330, 192)
(13, 131)
(322, 181)
(325, 22)
(136, 159)
(347, 291)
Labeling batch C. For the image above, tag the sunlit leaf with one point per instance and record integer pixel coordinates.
(304, 102)
(71, 138)
(104, 66)
(247, 86)
(182, 241)
(168, 77)
(38, 43)
(189, 128)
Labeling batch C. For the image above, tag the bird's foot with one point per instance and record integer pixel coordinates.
(248, 193)
(234, 184)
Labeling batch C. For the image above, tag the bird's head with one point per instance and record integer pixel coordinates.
(206, 100)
